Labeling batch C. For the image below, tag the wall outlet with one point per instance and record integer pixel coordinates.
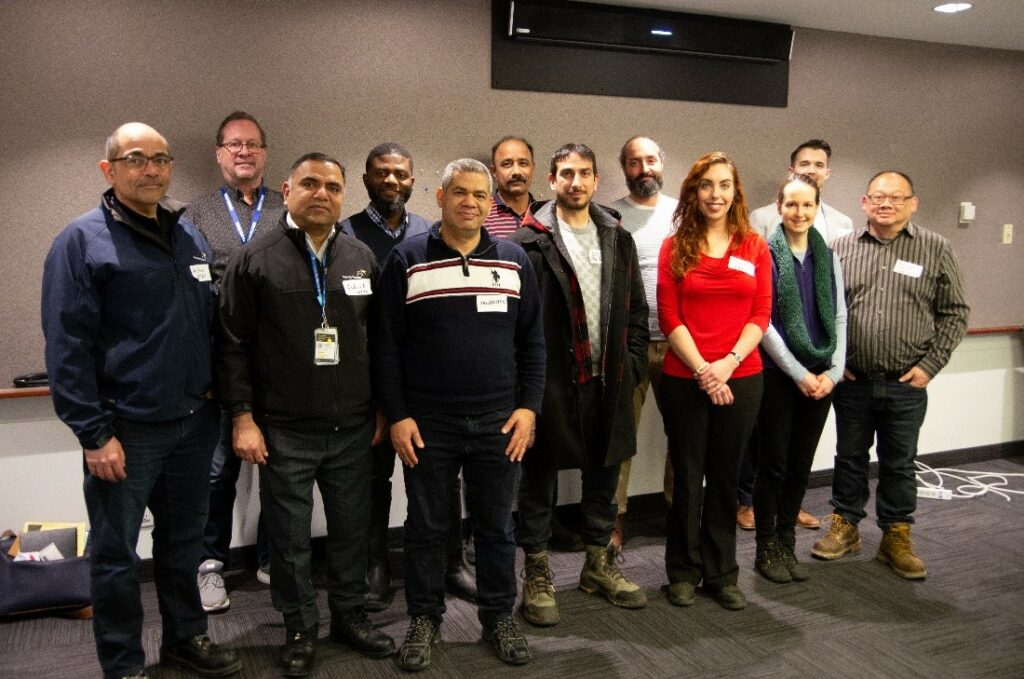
(935, 493)
(147, 519)
(1007, 234)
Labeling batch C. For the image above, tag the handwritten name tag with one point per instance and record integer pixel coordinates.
(492, 303)
(741, 265)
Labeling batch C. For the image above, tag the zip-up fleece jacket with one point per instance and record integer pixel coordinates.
(127, 321)
(268, 314)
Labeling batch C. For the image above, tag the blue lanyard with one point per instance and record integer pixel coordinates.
(321, 288)
(234, 215)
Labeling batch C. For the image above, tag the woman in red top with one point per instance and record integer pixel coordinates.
(714, 304)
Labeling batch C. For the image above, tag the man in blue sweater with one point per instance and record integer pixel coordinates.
(127, 307)
(383, 224)
(458, 362)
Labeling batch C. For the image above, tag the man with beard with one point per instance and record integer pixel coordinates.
(383, 224)
(230, 218)
(512, 167)
(647, 214)
(596, 334)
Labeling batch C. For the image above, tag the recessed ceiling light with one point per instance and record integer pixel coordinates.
(953, 7)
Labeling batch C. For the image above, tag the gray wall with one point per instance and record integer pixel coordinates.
(343, 76)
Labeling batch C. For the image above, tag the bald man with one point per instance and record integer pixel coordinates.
(127, 307)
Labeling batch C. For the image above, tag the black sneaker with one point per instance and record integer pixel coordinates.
(419, 644)
(508, 641)
(202, 656)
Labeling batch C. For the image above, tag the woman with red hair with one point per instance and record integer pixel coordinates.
(714, 304)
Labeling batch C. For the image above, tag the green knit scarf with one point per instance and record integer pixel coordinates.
(790, 308)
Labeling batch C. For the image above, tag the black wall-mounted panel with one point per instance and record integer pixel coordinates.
(634, 72)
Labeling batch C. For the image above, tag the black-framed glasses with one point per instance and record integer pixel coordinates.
(880, 198)
(137, 161)
(236, 146)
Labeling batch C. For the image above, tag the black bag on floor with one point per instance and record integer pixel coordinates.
(34, 586)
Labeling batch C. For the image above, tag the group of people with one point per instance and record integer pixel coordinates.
(506, 342)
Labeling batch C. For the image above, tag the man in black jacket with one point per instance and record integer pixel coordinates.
(294, 373)
(595, 330)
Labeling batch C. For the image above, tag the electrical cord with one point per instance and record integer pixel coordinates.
(972, 483)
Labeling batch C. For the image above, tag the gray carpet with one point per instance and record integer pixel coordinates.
(854, 618)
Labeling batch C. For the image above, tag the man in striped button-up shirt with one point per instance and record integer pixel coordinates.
(907, 313)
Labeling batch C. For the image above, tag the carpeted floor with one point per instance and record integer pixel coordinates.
(854, 618)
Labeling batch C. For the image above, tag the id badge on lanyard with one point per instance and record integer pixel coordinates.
(325, 338)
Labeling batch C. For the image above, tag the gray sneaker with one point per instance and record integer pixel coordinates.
(212, 592)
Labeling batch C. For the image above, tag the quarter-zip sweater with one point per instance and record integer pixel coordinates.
(457, 334)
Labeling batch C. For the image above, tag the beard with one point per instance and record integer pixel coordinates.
(645, 185)
(390, 208)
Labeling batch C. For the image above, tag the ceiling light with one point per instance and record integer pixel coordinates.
(953, 7)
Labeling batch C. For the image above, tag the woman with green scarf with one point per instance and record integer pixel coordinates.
(803, 351)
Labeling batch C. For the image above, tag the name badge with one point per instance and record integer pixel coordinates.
(595, 256)
(497, 303)
(908, 268)
(357, 286)
(201, 272)
(741, 265)
(325, 346)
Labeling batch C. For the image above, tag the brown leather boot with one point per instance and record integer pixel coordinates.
(897, 552)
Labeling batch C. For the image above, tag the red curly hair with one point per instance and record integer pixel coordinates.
(690, 225)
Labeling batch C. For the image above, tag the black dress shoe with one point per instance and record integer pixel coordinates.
(298, 655)
(353, 629)
(378, 576)
(461, 581)
(202, 656)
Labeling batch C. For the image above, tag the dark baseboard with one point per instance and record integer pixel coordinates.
(651, 506)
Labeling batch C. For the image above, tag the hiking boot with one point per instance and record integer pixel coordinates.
(600, 574)
(508, 641)
(212, 592)
(897, 553)
(539, 605)
(419, 644)
(770, 561)
(842, 538)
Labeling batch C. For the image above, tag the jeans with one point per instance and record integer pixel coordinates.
(167, 465)
(339, 463)
(475, 444)
(706, 442)
(789, 429)
(538, 495)
(894, 411)
(224, 471)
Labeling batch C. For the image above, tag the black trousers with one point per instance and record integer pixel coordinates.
(789, 427)
(539, 487)
(705, 442)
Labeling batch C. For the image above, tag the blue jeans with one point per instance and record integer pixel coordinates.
(894, 411)
(476, 445)
(167, 464)
(339, 462)
(224, 471)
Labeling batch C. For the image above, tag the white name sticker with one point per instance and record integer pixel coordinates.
(908, 268)
(357, 286)
(595, 256)
(741, 265)
(497, 303)
(201, 272)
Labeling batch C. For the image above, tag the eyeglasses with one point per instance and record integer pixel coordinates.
(137, 161)
(236, 146)
(880, 198)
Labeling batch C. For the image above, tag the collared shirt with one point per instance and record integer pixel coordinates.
(382, 222)
(319, 252)
(905, 300)
(502, 220)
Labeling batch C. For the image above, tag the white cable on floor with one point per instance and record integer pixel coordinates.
(972, 483)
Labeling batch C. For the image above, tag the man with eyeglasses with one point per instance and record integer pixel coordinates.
(906, 314)
(811, 158)
(382, 225)
(293, 371)
(127, 305)
(230, 217)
